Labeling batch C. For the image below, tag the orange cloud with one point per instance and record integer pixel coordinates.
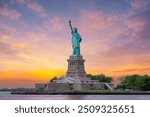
(133, 69)
(21, 46)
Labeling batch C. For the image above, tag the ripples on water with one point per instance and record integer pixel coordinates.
(8, 96)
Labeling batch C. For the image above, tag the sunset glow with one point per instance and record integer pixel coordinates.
(35, 38)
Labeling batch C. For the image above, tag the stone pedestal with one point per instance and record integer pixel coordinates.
(76, 78)
(76, 67)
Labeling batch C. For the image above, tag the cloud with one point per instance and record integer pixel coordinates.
(110, 38)
(133, 69)
(11, 13)
(36, 36)
(134, 39)
(8, 49)
(99, 26)
(140, 24)
(21, 2)
(11, 51)
(6, 29)
(96, 21)
(138, 42)
(140, 3)
(35, 7)
(21, 46)
(55, 24)
(100, 30)
(5, 49)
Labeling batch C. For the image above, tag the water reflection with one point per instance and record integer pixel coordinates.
(8, 96)
(77, 97)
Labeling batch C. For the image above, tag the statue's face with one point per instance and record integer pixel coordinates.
(75, 30)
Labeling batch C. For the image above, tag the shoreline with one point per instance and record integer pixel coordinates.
(80, 93)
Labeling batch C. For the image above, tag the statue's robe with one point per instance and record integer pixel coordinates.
(76, 39)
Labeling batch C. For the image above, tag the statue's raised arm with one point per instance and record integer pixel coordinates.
(70, 25)
(76, 39)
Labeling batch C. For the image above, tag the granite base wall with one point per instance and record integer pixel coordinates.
(61, 87)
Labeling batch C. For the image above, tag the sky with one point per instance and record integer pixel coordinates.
(35, 38)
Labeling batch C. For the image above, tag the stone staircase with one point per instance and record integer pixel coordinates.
(109, 87)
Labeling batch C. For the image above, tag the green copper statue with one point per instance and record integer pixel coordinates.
(76, 39)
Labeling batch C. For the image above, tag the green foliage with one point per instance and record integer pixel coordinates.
(101, 78)
(135, 82)
(54, 78)
(105, 91)
(41, 89)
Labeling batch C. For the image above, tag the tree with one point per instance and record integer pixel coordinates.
(135, 82)
(54, 78)
(101, 78)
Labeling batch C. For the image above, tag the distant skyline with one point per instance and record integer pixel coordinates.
(35, 38)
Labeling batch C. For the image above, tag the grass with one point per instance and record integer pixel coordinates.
(105, 91)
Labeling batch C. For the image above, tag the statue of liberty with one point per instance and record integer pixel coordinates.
(76, 39)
